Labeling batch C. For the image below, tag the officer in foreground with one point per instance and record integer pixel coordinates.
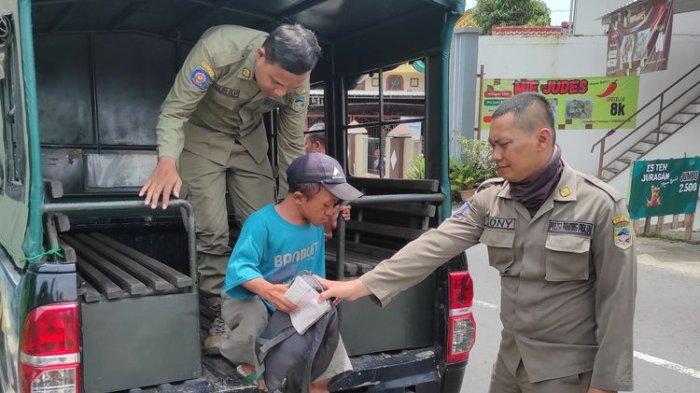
(564, 246)
(211, 124)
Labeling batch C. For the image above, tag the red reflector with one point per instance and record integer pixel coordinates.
(461, 334)
(53, 379)
(51, 330)
(461, 290)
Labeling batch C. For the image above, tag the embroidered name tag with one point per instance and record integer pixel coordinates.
(234, 93)
(500, 223)
(571, 227)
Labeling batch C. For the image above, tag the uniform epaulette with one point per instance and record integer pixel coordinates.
(490, 182)
(610, 190)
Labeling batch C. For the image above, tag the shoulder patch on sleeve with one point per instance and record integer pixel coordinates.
(200, 78)
(490, 182)
(297, 102)
(461, 210)
(623, 235)
(610, 190)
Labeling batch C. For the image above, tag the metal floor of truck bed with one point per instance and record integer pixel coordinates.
(219, 376)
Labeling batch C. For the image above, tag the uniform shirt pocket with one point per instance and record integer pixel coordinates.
(567, 257)
(500, 247)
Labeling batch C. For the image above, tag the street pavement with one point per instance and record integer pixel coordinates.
(667, 319)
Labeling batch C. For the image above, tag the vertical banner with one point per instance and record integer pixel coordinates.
(664, 187)
(639, 37)
(577, 103)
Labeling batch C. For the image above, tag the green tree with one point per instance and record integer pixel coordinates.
(489, 13)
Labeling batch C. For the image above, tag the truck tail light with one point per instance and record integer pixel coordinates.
(50, 350)
(461, 327)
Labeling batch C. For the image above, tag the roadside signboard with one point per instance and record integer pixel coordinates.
(578, 103)
(639, 37)
(664, 187)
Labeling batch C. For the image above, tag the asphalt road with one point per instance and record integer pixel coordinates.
(667, 319)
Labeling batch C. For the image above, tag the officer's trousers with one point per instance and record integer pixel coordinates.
(247, 318)
(205, 182)
(503, 381)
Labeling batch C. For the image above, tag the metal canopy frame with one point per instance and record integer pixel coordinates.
(341, 60)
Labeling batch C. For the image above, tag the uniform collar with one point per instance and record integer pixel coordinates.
(565, 191)
(505, 191)
(247, 71)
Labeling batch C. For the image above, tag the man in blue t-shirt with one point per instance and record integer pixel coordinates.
(277, 243)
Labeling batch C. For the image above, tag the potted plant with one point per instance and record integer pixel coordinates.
(475, 166)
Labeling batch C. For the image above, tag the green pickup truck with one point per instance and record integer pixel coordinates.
(99, 293)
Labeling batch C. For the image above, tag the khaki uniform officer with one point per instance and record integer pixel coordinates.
(211, 121)
(565, 253)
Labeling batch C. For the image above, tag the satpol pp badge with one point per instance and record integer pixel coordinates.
(298, 103)
(200, 78)
(622, 236)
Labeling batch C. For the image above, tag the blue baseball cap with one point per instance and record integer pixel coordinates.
(320, 168)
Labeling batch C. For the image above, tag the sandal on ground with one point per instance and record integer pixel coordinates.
(247, 377)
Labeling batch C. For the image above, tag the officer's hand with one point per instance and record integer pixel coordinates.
(274, 293)
(342, 290)
(594, 390)
(165, 180)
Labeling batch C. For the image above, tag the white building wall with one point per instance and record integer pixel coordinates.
(550, 57)
(584, 55)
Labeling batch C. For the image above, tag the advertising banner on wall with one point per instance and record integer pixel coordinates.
(664, 187)
(577, 103)
(639, 37)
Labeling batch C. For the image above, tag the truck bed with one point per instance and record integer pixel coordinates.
(113, 274)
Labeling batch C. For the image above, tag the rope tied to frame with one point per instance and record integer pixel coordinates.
(53, 251)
